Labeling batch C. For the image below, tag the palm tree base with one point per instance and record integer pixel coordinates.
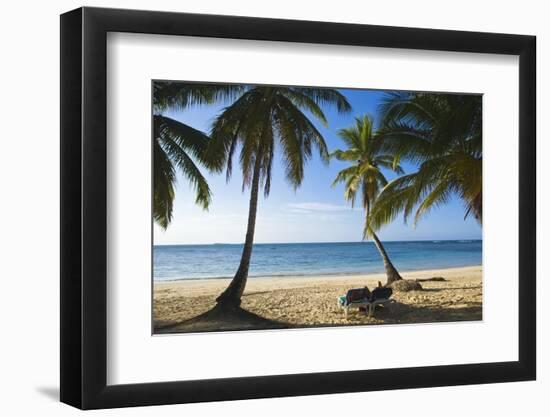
(228, 300)
(227, 303)
(392, 276)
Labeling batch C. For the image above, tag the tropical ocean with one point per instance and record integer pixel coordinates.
(175, 262)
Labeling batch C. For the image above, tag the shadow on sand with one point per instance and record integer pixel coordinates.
(409, 313)
(220, 320)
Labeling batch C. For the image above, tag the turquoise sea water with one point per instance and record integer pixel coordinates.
(175, 262)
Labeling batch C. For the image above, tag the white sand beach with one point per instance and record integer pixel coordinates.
(312, 301)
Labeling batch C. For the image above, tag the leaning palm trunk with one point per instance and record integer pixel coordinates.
(391, 273)
(231, 297)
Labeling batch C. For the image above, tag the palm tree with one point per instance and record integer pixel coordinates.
(177, 145)
(365, 177)
(261, 119)
(442, 134)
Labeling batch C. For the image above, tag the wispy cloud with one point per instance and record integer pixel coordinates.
(316, 207)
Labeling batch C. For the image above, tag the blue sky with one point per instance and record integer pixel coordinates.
(316, 212)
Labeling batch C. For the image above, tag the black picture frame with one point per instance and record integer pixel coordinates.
(84, 207)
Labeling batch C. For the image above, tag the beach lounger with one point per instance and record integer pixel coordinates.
(362, 297)
(355, 297)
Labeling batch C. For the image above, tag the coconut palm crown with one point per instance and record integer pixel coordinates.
(442, 134)
(177, 145)
(364, 176)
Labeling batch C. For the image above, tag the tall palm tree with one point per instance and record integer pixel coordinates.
(442, 134)
(365, 177)
(263, 118)
(177, 145)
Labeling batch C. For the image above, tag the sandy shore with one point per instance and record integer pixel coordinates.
(311, 301)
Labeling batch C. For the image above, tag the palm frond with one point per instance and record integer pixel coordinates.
(439, 195)
(391, 201)
(173, 143)
(232, 125)
(344, 174)
(164, 178)
(264, 117)
(186, 137)
(347, 155)
(441, 133)
(351, 137)
(305, 102)
(180, 95)
(183, 161)
(327, 97)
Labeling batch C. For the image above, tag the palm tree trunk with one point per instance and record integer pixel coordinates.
(391, 272)
(231, 297)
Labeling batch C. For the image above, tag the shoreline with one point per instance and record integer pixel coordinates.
(314, 275)
(310, 301)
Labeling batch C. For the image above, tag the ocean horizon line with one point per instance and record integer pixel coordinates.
(312, 243)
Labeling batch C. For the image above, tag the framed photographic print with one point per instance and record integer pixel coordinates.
(257, 208)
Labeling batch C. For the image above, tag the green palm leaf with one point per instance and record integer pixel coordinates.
(441, 133)
(177, 144)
